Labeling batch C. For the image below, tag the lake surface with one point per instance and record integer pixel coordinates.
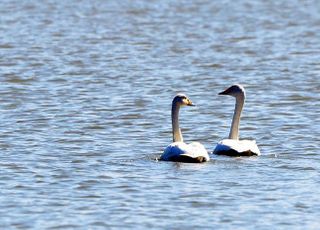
(85, 99)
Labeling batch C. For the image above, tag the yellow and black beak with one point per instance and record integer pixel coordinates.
(190, 103)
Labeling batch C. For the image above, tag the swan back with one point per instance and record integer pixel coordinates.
(233, 147)
(182, 152)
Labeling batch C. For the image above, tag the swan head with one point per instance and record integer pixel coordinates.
(182, 99)
(235, 91)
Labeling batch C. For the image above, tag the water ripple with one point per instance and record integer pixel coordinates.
(85, 100)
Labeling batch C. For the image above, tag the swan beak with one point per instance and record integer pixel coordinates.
(191, 103)
(226, 92)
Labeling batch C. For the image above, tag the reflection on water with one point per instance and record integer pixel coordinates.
(85, 98)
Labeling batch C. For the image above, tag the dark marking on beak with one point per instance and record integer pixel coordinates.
(191, 103)
(226, 92)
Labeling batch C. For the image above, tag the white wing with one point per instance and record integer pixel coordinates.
(193, 150)
(196, 149)
(242, 147)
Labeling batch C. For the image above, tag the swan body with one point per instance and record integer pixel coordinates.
(179, 151)
(233, 146)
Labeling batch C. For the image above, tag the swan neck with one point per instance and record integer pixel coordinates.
(234, 130)
(177, 136)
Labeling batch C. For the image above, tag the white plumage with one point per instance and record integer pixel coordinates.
(178, 150)
(233, 146)
(237, 148)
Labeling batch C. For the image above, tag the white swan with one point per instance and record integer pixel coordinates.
(233, 146)
(178, 150)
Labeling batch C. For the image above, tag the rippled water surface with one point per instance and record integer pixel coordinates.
(85, 97)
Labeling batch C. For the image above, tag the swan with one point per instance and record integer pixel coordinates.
(233, 146)
(178, 150)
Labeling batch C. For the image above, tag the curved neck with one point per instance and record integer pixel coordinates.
(234, 130)
(177, 136)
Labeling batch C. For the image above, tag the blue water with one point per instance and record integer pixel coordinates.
(85, 99)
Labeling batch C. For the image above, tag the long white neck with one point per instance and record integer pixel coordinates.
(177, 136)
(234, 130)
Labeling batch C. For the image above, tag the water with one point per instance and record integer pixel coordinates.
(85, 96)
